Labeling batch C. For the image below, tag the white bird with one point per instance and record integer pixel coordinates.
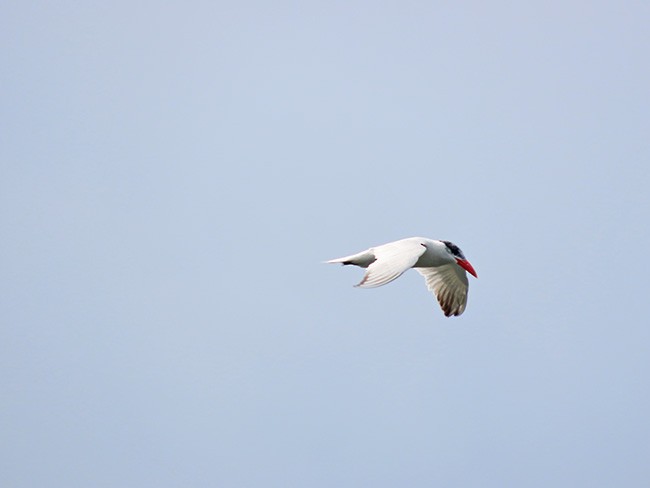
(442, 264)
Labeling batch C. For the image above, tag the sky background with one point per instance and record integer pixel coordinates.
(173, 175)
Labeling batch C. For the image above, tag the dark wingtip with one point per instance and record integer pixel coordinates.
(445, 305)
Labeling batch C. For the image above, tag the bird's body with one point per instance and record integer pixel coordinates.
(442, 264)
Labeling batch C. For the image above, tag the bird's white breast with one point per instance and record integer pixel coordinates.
(435, 255)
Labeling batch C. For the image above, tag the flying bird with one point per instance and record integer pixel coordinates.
(442, 264)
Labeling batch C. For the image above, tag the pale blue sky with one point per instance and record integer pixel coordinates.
(174, 174)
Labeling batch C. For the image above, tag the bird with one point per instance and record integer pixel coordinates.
(442, 264)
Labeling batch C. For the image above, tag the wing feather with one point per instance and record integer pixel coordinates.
(449, 284)
(392, 260)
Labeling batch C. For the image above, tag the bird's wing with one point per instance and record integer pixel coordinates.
(391, 260)
(449, 284)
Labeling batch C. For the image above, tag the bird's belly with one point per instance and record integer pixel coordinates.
(429, 261)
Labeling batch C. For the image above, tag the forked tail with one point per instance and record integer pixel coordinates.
(362, 259)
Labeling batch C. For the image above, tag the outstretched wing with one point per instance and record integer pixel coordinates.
(391, 260)
(449, 284)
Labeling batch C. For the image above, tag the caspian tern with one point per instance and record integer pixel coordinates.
(442, 264)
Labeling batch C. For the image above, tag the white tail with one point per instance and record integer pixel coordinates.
(362, 259)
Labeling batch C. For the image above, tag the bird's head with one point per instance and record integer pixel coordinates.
(459, 257)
